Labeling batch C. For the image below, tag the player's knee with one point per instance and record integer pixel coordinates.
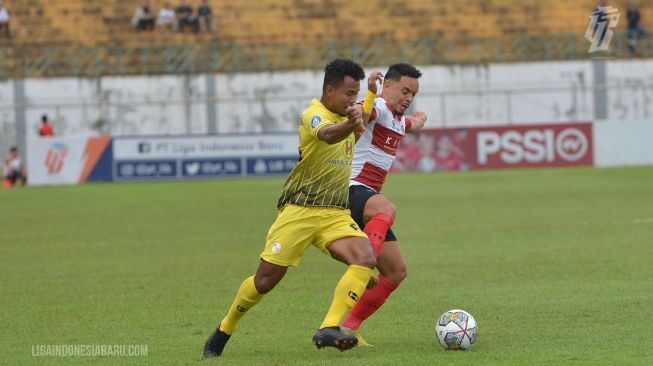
(387, 208)
(398, 275)
(390, 209)
(361, 255)
(264, 284)
(394, 270)
(366, 259)
(369, 262)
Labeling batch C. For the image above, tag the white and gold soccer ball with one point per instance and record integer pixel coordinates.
(456, 329)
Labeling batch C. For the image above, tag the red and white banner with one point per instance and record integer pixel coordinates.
(493, 147)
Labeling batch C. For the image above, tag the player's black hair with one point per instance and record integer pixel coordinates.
(13, 148)
(44, 117)
(336, 71)
(396, 71)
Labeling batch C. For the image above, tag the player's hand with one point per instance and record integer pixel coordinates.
(354, 116)
(360, 129)
(420, 115)
(375, 76)
(418, 120)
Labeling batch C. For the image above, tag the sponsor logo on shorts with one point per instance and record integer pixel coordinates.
(353, 295)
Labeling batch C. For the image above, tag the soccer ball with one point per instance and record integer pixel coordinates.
(456, 329)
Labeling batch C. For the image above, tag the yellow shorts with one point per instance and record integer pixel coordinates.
(297, 227)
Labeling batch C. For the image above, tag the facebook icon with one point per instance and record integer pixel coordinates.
(144, 148)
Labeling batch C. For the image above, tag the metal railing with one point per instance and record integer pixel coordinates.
(224, 57)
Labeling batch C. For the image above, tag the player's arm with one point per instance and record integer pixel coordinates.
(368, 103)
(358, 132)
(332, 134)
(367, 106)
(416, 121)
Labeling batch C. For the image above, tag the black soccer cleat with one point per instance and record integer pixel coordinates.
(215, 343)
(334, 337)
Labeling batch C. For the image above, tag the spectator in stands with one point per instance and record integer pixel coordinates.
(635, 32)
(185, 17)
(205, 16)
(4, 20)
(14, 171)
(143, 18)
(167, 19)
(46, 128)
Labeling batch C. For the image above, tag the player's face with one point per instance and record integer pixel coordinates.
(400, 93)
(343, 95)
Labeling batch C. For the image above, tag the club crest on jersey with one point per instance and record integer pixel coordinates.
(348, 148)
(315, 121)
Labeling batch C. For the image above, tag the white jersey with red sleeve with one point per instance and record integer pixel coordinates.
(376, 148)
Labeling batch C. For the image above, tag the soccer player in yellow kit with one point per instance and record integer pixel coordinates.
(313, 211)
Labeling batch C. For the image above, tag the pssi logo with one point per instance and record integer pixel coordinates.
(349, 148)
(532, 146)
(55, 158)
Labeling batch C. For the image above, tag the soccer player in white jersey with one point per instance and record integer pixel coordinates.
(373, 155)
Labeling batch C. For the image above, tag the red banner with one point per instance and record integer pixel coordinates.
(455, 149)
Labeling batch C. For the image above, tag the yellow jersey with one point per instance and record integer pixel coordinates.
(321, 177)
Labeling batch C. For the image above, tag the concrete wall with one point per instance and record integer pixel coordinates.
(451, 95)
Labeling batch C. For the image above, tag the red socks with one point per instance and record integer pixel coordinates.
(370, 302)
(376, 229)
(372, 299)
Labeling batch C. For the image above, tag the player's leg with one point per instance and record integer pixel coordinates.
(251, 291)
(267, 276)
(391, 263)
(356, 253)
(392, 267)
(378, 217)
(341, 238)
(287, 240)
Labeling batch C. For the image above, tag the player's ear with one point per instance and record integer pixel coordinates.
(329, 90)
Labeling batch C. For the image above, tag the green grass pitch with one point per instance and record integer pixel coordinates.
(556, 265)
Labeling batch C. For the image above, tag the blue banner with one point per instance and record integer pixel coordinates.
(270, 165)
(191, 168)
(146, 169)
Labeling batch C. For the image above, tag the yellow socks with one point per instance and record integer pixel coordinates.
(348, 291)
(350, 288)
(246, 298)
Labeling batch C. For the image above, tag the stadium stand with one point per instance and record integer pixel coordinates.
(92, 37)
(89, 23)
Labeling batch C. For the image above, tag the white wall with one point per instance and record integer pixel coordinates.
(618, 143)
(631, 96)
(258, 102)
(7, 119)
